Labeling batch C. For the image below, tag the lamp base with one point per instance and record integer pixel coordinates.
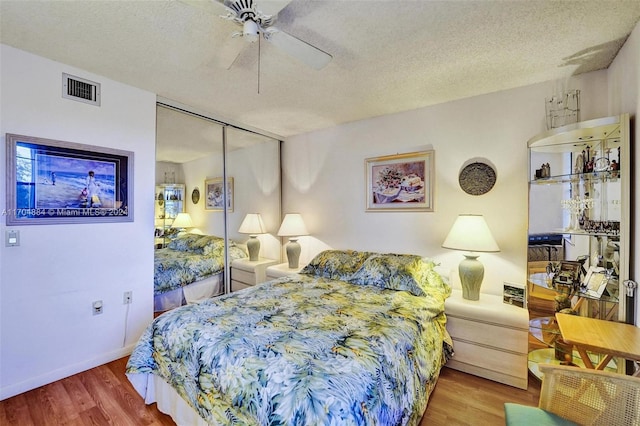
(253, 246)
(293, 253)
(471, 274)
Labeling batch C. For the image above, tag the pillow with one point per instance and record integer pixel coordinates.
(196, 243)
(183, 242)
(406, 272)
(207, 244)
(336, 264)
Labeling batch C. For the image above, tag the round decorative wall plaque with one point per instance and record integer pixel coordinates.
(195, 195)
(477, 178)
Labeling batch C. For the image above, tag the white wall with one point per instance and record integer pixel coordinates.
(195, 173)
(48, 283)
(256, 177)
(324, 175)
(256, 173)
(168, 172)
(624, 96)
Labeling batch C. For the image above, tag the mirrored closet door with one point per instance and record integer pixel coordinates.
(195, 154)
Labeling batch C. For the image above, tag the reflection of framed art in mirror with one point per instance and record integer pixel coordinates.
(214, 194)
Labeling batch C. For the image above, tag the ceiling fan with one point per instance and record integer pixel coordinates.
(256, 20)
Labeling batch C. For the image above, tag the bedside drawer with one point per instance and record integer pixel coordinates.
(507, 363)
(243, 276)
(500, 337)
(503, 367)
(237, 285)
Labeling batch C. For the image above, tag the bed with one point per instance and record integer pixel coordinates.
(355, 338)
(190, 269)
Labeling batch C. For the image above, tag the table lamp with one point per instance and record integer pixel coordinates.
(182, 222)
(293, 227)
(253, 225)
(471, 233)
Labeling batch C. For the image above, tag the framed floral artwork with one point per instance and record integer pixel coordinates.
(402, 182)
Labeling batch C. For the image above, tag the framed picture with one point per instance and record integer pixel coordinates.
(595, 282)
(514, 294)
(214, 194)
(54, 182)
(568, 273)
(400, 182)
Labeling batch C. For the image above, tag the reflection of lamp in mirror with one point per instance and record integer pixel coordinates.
(471, 233)
(253, 225)
(182, 222)
(293, 227)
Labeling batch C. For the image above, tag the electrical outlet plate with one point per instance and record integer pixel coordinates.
(97, 307)
(127, 297)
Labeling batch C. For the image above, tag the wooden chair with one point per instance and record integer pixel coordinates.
(572, 395)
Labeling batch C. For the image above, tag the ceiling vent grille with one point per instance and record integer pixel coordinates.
(80, 89)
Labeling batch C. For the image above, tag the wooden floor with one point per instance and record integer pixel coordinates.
(104, 396)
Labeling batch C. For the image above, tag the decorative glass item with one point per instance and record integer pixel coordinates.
(562, 109)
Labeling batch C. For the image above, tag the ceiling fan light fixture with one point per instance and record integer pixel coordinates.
(250, 30)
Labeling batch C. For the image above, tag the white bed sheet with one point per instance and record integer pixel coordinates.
(191, 293)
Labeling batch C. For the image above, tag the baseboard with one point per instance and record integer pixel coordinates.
(61, 373)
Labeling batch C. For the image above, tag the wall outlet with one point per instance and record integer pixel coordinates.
(127, 297)
(97, 307)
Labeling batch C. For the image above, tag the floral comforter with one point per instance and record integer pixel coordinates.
(301, 350)
(188, 259)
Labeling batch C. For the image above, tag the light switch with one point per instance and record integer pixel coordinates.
(12, 238)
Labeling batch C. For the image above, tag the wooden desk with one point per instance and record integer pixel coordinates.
(606, 337)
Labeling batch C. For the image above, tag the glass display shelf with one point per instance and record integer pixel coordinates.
(546, 330)
(548, 356)
(611, 176)
(544, 280)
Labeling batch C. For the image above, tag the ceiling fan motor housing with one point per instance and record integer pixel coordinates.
(246, 11)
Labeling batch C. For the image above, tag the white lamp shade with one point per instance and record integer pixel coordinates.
(471, 233)
(182, 220)
(292, 226)
(252, 224)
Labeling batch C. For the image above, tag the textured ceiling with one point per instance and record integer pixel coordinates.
(388, 56)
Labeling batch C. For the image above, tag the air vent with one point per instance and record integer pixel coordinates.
(80, 89)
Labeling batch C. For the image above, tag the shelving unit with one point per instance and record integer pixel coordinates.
(579, 190)
(169, 201)
(584, 196)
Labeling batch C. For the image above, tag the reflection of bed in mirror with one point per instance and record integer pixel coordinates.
(190, 269)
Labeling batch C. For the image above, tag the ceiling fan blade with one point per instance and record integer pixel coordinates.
(297, 48)
(229, 50)
(270, 7)
(215, 7)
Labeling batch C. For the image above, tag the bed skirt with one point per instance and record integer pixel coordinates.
(191, 293)
(153, 389)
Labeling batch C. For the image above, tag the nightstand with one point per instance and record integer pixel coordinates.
(490, 338)
(281, 270)
(246, 273)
